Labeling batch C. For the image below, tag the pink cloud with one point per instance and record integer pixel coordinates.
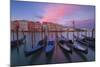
(53, 13)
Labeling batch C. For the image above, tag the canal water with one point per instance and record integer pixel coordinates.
(18, 57)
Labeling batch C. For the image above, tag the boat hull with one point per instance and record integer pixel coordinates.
(83, 51)
(65, 50)
(35, 50)
(49, 48)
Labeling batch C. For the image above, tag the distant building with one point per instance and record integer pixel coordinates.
(24, 25)
(34, 26)
(14, 25)
(53, 26)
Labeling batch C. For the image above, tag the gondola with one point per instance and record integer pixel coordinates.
(66, 45)
(16, 43)
(35, 49)
(88, 38)
(80, 40)
(86, 42)
(49, 48)
(81, 48)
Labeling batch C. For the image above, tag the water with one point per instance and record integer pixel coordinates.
(18, 57)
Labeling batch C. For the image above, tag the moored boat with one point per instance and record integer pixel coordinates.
(66, 45)
(49, 48)
(79, 47)
(16, 43)
(36, 48)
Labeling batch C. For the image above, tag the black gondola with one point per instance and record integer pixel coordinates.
(88, 38)
(49, 48)
(86, 42)
(17, 43)
(81, 48)
(66, 45)
(36, 48)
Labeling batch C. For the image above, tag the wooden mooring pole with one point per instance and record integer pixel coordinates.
(32, 37)
(73, 30)
(67, 33)
(86, 32)
(17, 36)
(13, 34)
(92, 33)
(25, 39)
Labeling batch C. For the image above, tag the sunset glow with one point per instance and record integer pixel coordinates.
(55, 13)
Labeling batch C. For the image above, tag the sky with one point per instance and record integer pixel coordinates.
(84, 15)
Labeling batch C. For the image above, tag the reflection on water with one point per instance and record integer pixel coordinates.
(58, 55)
